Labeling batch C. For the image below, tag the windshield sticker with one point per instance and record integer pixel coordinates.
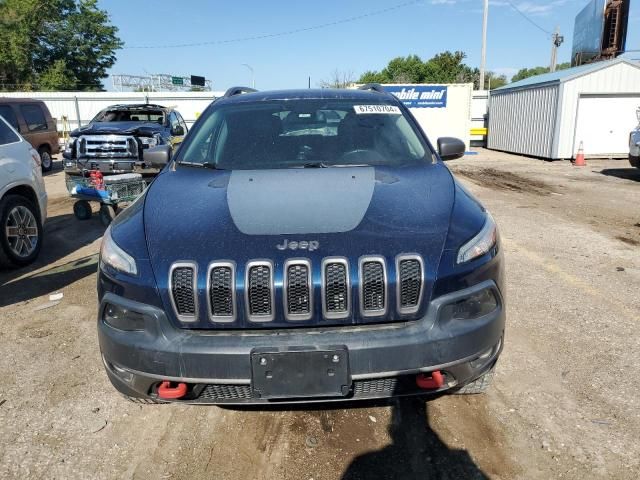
(385, 109)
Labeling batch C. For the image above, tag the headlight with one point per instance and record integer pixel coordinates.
(149, 141)
(476, 305)
(112, 255)
(484, 241)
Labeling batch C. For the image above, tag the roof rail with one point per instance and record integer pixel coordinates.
(376, 87)
(238, 91)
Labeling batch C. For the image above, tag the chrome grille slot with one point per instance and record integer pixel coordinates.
(182, 289)
(373, 286)
(410, 282)
(336, 297)
(222, 291)
(259, 291)
(107, 146)
(298, 295)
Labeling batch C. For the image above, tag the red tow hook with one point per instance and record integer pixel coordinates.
(436, 380)
(166, 391)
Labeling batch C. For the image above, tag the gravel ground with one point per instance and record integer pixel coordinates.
(564, 402)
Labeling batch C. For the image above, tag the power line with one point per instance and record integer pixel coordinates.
(526, 17)
(281, 34)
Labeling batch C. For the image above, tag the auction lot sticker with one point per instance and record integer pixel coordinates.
(386, 109)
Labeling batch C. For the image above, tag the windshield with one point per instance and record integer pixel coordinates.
(304, 133)
(155, 116)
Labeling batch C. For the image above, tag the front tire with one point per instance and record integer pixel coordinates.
(20, 231)
(45, 159)
(634, 161)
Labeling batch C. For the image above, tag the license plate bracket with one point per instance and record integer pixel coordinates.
(300, 373)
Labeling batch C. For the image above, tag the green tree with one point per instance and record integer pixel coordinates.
(37, 35)
(532, 72)
(445, 67)
(57, 77)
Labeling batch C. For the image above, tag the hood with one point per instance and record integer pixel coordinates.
(276, 215)
(144, 129)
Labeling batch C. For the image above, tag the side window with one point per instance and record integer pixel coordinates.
(182, 122)
(33, 117)
(6, 134)
(7, 112)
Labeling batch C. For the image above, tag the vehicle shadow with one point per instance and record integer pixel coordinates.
(415, 452)
(630, 173)
(63, 235)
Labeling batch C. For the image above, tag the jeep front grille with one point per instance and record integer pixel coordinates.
(373, 286)
(107, 146)
(259, 291)
(336, 288)
(222, 292)
(298, 296)
(182, 286)
(294, 284)
(409, 283)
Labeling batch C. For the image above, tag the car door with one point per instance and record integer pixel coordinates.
(37, 128)
(14, 155)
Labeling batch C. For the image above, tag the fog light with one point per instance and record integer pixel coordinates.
(122, 318)
(474, 306)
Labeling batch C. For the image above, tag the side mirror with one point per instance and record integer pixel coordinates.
(158, 156)
(450, 148)
(178, 130)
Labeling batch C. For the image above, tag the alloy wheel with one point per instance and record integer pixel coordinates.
(21, 230)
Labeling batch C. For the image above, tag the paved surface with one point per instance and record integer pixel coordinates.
(564, 403)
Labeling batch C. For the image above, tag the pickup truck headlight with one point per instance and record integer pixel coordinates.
(484, 241)
(149, 141)
(111, 254)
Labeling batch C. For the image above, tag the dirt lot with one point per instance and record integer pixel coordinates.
(564, 404)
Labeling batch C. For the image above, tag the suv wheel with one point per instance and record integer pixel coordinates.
(45, 159)
(20, 231)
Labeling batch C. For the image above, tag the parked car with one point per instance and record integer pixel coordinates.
(114, 141)
(31, 118)
(634, 144)
(270, 262)
(23, 199)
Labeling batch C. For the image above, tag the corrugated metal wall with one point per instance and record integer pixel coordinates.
(523, 121)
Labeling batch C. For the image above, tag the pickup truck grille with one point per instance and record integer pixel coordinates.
(296, 301)
(107, 146)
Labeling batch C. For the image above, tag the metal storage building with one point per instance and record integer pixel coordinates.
(549, 115)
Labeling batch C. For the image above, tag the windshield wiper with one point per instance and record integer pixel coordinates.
(209, 165)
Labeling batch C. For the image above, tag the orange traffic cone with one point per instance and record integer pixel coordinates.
(580, 161)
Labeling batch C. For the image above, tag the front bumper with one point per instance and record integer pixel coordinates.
(383, 360)
(108, 166)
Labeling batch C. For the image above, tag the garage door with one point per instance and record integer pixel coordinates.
(604, 123)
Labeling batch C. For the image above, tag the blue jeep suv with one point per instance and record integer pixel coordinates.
(302, 246)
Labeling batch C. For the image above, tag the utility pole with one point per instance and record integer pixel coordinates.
(556, 40)
(253, 76)
(483, 60)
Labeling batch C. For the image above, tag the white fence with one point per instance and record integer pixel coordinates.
(80, 107)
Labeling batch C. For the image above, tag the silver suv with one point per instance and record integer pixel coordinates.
(634, 144)
(23, 199)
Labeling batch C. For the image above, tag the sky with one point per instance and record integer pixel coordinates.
(422, 27)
